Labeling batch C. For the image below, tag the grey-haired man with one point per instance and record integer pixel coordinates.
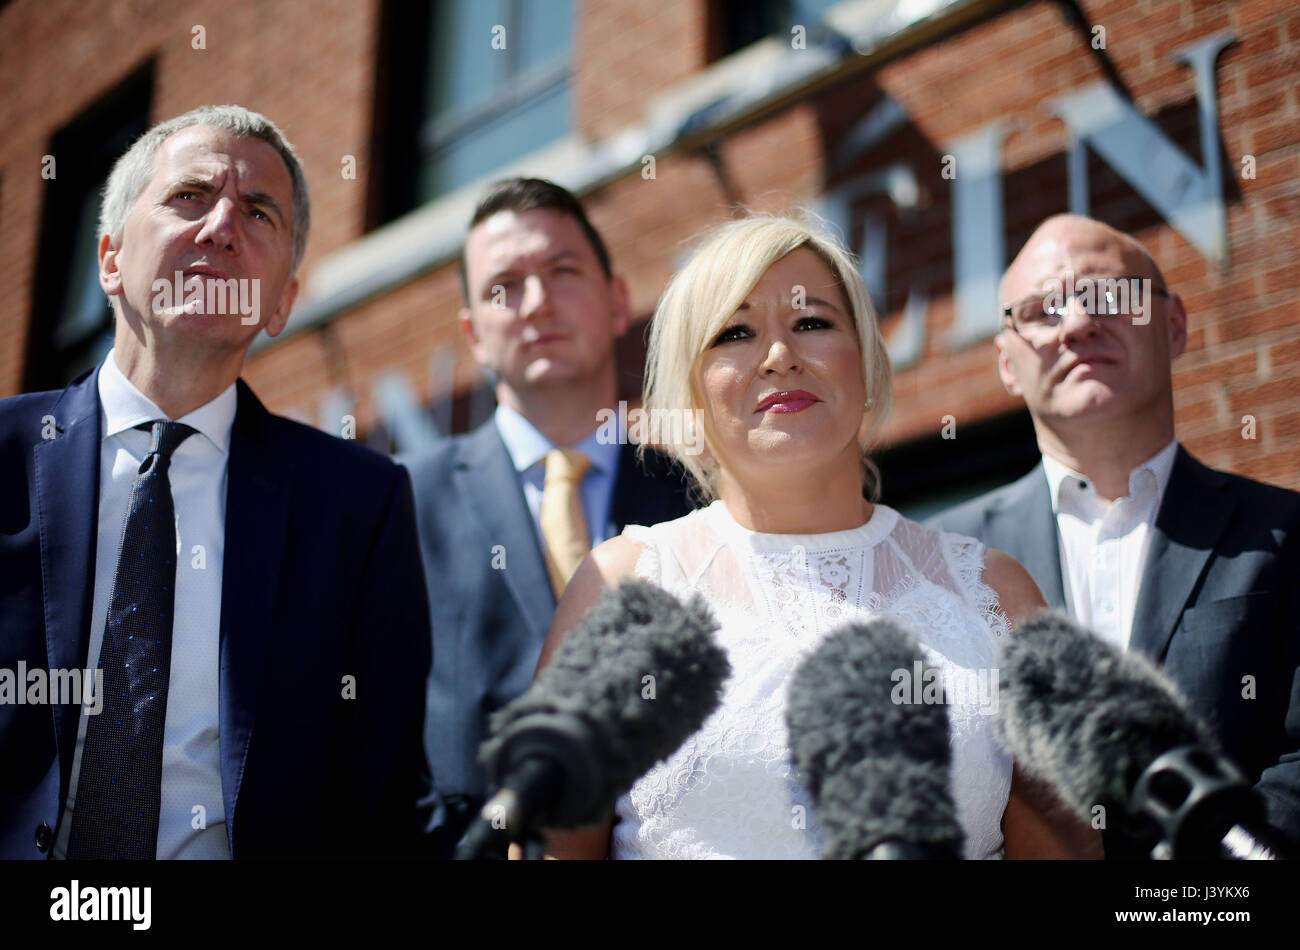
(240, 594)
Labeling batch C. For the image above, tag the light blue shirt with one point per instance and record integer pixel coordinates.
(528, 448)
(191, 819)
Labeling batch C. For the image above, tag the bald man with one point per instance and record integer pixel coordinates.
(1197, 569)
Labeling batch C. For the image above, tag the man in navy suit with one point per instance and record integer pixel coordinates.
(246, 589)
(507, 511)
(1194, 568)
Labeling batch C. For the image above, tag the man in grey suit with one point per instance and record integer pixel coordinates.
(508, 511)
(1197, 569)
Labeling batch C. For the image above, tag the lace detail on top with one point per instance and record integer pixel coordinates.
(730, 790)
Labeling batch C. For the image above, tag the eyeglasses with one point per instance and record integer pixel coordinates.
(1098, 296)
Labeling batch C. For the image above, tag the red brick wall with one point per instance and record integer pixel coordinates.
(312, 74)
(625, 52)
(957, 85)
(315, 74)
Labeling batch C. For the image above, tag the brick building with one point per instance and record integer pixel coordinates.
(935, 134)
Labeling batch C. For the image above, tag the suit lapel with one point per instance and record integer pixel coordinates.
(627, 480)
(258, 489)
(1193, 515)
(67, 497)
(636, 498)
(486, 476)
(1024, 526)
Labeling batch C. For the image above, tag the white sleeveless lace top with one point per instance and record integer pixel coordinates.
(730, 790)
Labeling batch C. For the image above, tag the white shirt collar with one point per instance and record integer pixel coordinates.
(1159, 465)
(528, 447)
(124, 407)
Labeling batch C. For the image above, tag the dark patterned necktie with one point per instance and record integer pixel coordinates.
(120, 787)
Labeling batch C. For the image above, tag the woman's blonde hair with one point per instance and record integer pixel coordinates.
(724, 267)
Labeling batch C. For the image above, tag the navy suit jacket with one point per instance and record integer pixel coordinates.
(1219, 601)
(321, 581)
(492, 600)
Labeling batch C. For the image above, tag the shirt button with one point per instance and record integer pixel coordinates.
(43, 837)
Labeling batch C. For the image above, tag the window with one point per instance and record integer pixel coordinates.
(738, 23)
(932, 474)
(492, 85)
(71, 320)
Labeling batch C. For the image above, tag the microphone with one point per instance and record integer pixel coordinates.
(877, 767)
(1108, 729)
(630, 683)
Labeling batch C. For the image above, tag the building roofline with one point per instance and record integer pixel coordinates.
(736, 91)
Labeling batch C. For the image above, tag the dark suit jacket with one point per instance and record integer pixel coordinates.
(321, 581)
(491, 600)
(1219, 601)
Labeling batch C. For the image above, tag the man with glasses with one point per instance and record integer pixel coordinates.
(1197, 569)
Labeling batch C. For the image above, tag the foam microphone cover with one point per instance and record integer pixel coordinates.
(1083, 716)
(598, 675)
(878, 770)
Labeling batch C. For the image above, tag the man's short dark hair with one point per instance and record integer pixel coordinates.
(529, 194)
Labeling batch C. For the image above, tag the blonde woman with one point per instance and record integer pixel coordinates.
(766, 338)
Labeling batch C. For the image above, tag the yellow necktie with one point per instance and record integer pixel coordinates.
(564, 526)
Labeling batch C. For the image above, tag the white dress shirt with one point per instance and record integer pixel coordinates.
(528, 448)
(192, 818)
(1104, 544)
